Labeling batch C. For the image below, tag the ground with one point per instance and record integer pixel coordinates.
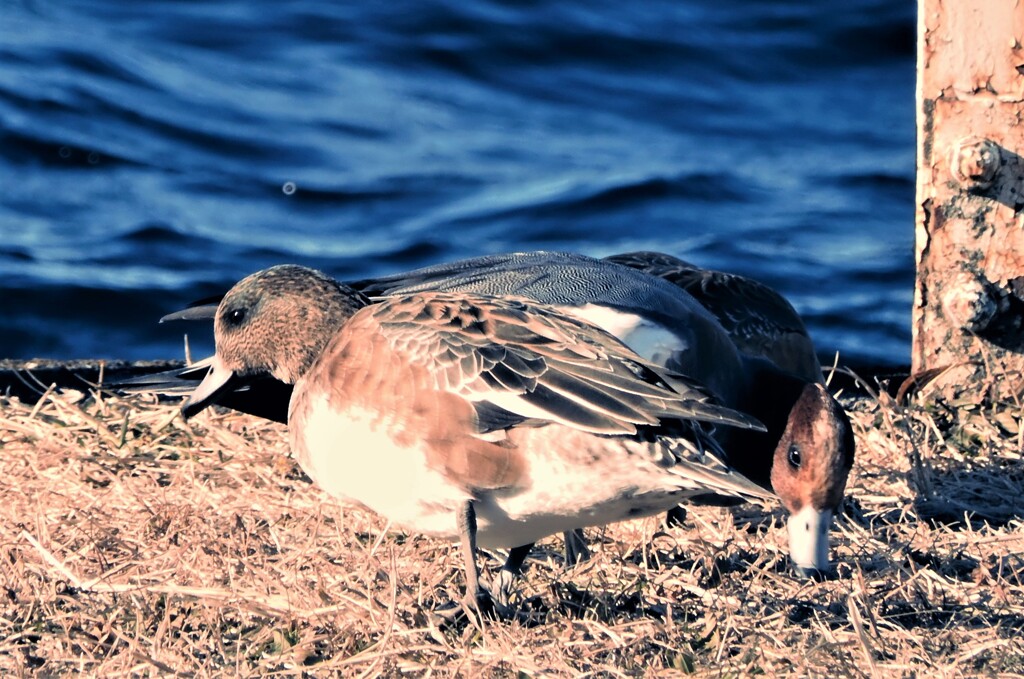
(132, 542)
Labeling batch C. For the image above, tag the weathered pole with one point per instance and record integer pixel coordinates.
(969, 299)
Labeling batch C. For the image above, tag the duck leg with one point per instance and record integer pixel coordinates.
(477, 600)
(575, 547)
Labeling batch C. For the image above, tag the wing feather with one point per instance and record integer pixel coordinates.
(530, 360)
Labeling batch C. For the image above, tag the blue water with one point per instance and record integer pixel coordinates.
(154, 153)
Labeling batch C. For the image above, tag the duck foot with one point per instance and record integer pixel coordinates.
(503, 585)
(474, 609)
(485, 606)
(815, 574)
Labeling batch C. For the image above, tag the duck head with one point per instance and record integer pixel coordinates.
(274, 322)
(811, 463)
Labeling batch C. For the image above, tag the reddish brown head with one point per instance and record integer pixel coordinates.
(811, 464)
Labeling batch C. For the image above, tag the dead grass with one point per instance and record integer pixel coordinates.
(134, 543)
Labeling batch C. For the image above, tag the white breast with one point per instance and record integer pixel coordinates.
(351, 456)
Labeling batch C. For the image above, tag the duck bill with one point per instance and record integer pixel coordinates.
(218, 381)
(808, 539)
(201, 310)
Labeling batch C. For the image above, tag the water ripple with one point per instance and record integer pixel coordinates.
(154, 153)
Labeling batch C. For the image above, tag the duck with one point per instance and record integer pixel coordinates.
(492, 421)
(804, 456)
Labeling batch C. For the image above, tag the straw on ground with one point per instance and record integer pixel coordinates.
(132, 542)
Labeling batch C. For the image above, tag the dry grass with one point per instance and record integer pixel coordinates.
(132, 542)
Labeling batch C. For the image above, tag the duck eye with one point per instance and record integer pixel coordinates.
(794, 456)
(234, 317)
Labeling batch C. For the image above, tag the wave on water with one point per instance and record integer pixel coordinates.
(154, 154)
